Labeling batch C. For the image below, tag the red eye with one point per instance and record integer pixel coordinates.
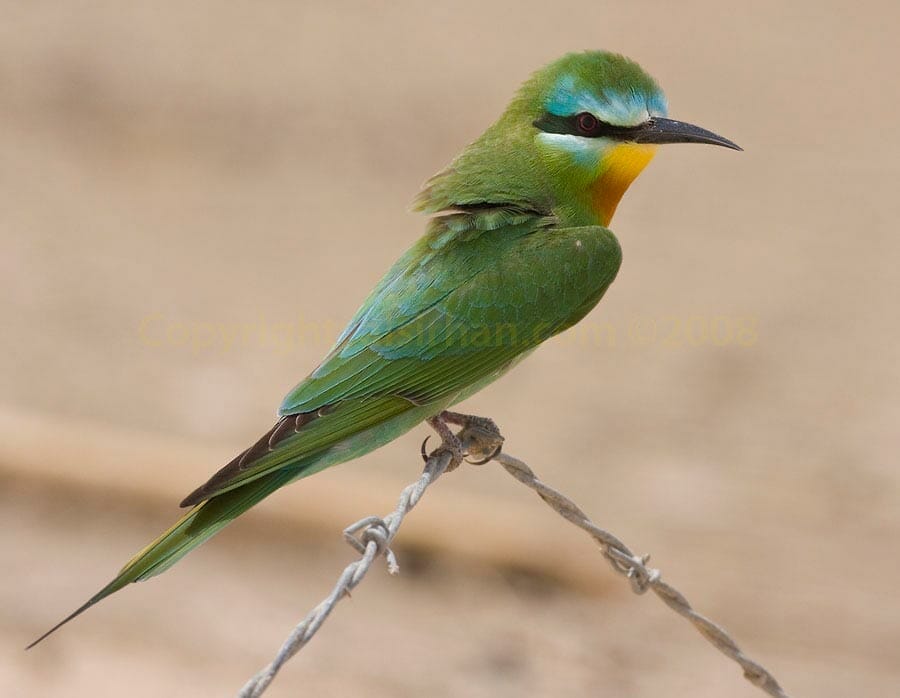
(586, 122)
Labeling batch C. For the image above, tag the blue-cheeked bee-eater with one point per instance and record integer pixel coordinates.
(518, 249)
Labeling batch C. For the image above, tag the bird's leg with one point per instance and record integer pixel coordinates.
(449, 442)
(480, 433)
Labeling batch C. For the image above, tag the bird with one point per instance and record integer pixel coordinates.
(516, 250)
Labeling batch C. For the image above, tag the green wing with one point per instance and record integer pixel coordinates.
(468, 298)
(476, 292)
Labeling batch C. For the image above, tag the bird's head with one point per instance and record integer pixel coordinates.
(573, 139)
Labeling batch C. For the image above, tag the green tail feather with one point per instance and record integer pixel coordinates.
(197, 526)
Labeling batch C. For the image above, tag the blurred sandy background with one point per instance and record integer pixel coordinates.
(172, 169)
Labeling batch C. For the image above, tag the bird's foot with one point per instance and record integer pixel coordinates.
(480, 434)
(450, 443)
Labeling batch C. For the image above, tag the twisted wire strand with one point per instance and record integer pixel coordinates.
(635, 569)
(372, 537)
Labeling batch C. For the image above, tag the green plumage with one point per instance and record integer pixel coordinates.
(529, 178)
(515, 258)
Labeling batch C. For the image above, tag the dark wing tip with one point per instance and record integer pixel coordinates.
(285, 427)
(193, 498)
(223, 475)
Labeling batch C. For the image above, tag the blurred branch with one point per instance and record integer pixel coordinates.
(372, 537)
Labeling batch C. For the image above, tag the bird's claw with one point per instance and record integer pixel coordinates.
(454, 448)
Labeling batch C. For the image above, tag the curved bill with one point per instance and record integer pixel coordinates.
(659, 130)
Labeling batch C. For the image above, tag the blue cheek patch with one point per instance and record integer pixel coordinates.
(584, 153)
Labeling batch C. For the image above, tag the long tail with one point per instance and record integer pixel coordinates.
(197, 526)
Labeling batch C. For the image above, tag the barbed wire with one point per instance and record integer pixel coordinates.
(635, 569)
(372, 537)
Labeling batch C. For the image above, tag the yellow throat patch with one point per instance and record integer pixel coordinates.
(619, 169)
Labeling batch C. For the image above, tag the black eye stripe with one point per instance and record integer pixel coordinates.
(572, 125)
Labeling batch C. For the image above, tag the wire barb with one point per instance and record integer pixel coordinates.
(372, 537)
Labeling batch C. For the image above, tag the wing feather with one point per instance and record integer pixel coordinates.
(460, 306)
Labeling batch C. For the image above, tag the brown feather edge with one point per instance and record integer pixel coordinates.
(285, 427)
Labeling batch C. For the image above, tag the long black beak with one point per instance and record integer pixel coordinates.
(659, 130)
